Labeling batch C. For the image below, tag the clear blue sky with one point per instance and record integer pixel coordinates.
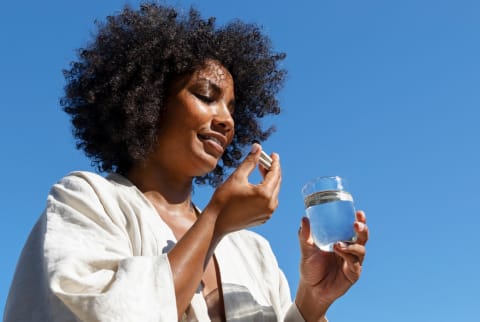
(384, 93)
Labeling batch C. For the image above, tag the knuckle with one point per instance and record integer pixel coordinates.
(263, 194)
(273, 206)
(271, 209)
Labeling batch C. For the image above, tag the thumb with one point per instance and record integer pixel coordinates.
(304, 237)
(250, 162)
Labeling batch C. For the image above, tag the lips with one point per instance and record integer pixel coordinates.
(217, 141)
(207, 137)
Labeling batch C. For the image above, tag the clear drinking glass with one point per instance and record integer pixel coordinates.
(331, 212)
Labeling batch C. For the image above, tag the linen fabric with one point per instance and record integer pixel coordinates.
(99, 253)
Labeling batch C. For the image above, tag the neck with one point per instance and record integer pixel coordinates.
(163, 188)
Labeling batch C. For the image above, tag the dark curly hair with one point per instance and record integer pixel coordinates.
(115, 92)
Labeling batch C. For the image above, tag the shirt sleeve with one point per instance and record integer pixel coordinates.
(293, 315)
(90, 263)
(291, 311)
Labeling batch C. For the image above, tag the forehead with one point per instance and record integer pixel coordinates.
(214, 72)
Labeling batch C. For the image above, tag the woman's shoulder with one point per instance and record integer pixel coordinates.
(81, 180)
(87, 197)
(82, 177)
(93, 188)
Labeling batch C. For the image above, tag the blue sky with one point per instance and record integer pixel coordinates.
(384, 93)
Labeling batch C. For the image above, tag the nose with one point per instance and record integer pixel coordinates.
(222, 119)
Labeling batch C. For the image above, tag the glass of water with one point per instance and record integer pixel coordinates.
(331, 212)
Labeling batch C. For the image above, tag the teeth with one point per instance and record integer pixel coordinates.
(205, 137)
(214, 139)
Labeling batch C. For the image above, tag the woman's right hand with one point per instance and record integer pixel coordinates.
(239, 204)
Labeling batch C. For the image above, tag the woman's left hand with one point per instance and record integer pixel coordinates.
(325, 276)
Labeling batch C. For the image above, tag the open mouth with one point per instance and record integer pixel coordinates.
(204, 137)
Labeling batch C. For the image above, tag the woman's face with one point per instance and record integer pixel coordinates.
(198, 124)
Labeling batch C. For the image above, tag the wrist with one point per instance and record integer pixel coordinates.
(210, 215)
(310, 305)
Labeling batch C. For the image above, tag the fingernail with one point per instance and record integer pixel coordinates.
(361, 215)
(341, 245)
(304, 221)
(301, 225)
(255, 148)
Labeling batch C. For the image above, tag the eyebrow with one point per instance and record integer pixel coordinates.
(216, 89)
(211, 84)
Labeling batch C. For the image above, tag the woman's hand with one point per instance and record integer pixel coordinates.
(326, 276)
(239, 204)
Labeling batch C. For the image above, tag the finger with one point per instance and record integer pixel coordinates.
(273, 198)
(354, 252)
(362, 232)
(276, 191)
(352, 260)
(262, 170)
(305, 238)
(345, 251)
(360, 215)
(250, 162)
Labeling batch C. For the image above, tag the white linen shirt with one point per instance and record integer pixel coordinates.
(99, 253)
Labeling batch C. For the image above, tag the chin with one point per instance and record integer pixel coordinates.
(211, 168)
(207, 167)
(203, 162)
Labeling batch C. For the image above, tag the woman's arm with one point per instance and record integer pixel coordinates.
(235, 205)
(90, 271)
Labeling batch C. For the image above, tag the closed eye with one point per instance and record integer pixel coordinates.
(204, 98)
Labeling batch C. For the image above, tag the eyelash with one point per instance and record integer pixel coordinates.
(204, 98)
(209, 100)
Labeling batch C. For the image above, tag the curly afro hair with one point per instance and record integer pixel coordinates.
(116, 91)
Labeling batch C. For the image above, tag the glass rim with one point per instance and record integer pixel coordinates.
(313, 181)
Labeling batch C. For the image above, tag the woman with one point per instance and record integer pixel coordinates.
(161, 101)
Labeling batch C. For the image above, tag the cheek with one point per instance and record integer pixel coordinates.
(187, 118)
(191, 112)
(198, 113)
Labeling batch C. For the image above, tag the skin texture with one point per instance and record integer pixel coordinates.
(200, 108)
